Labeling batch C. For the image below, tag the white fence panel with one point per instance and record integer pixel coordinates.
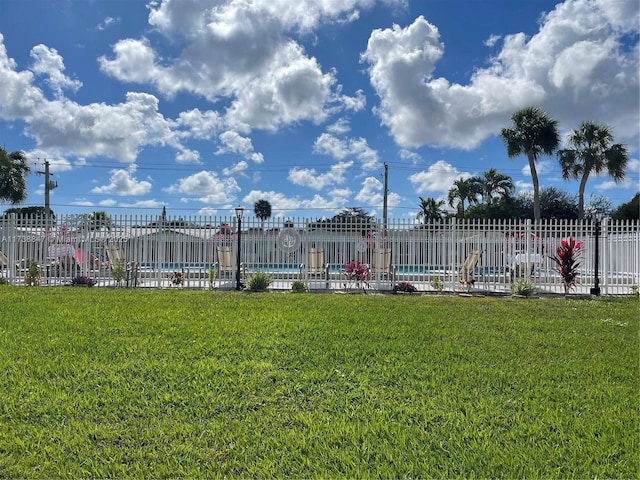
(158, 249)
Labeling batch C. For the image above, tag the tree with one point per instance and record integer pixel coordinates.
(507, 207)
(554, 203)
(629, 210)
(262, 210)
(13, 172)
(32, 216)
(598, 205)
(431, 209)
(592, 151)
(533, 133)
(495, 184)
(464, 190)
(98, 220)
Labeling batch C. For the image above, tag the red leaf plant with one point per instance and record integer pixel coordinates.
(566, 259)
(356, 271)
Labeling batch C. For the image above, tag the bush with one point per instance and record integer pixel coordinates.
(523, 287)
(4, 281)
(34, 274)
(118, 274)
(436, 283)
(259, 281)
(212, 274)
(83, 280)
(299, 287)
(404, 287)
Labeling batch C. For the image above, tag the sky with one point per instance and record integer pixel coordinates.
(202, 105)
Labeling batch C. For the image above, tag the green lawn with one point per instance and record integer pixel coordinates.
(176, 383)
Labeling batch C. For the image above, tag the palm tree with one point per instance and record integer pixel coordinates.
(464, 190)
(495, 183)
(592, 151)
(430, 209)
(262, 210)
(533, 134)
(13, 172)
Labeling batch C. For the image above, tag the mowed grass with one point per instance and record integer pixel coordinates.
(176, 383)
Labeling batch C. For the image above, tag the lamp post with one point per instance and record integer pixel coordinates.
(596, 287)
(239, 213)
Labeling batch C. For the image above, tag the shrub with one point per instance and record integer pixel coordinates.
(404, 287)
(436, 283)
(259, 281)
(212, 274)
(299, 287)
(176, 278)
(4, 281)
(566, 259)
(118, 274)
(357, 271)
(34, 274)
(83, 280)
(523, 287)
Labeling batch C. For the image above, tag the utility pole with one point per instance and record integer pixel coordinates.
(48, 186)
(386, 194)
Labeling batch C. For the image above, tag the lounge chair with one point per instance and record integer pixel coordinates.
(227, 266)
(380, 266)
(315, 266)
(63, 259)
(116, 256)
(524, 264)
(469, 265)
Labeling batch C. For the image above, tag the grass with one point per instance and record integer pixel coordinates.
(133, 383)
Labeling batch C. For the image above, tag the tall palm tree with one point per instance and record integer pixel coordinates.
(430, 209)
(592, 151)
(533, 133)
(262, 210)
(495, 183)
(464, 190)
(13, 172)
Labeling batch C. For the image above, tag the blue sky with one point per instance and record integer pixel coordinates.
(202, 105)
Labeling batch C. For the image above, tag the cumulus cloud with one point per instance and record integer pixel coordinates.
(281, 204)
(340, 148)
(233, 142)
(576, 66)
(309, 177)
(47, 62)
(439, 177)
(207, 186)
(122, 182)
(244, 52)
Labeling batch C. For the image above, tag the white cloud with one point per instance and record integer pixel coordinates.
(233, 142)
(280, 203)
(575, 66)
(199, 125)
(237, 170)
(492, 40)
(207, 186)
(543, 167)
(340, 148)
(372, 194)
(123, 182)
(47, 62)
(107, 22)
(439, 177)
(62, 126)
(244, 52)
(309, 177)
(188, 156)
(37, 157)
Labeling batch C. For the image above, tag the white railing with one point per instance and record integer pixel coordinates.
(155, 248)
